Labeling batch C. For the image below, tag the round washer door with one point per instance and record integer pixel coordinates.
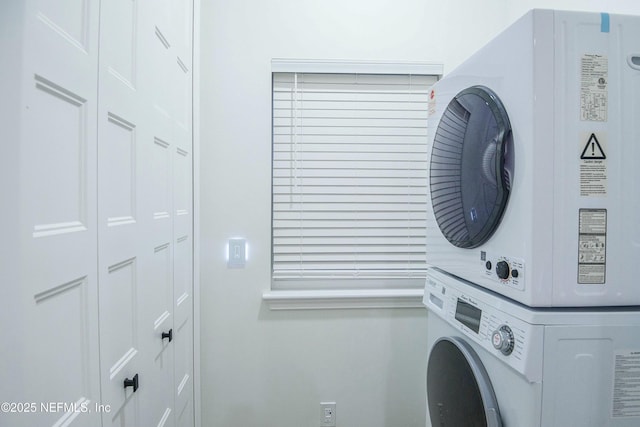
(459, 392)
(471, 167)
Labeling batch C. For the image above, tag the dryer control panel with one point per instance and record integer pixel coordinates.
(484, 318)
(507, 271)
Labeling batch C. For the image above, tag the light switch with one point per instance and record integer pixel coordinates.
(237, 253)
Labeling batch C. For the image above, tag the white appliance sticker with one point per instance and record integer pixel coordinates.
(626, 384)
(594, 78)
(592, 246)
(593, 164)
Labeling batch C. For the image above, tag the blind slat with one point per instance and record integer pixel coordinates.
(314, 219)
(283, 114)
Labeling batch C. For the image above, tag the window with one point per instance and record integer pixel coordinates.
(349, 177)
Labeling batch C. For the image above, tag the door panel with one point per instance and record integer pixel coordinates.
(122, 47)
(61, 112)
(184, 373)
(122, 260)
(69, 20)
(160, 173)
(183, 226)
(50, 227)
(63, 326)
(120, 344)
(159, 318)
(119, 152)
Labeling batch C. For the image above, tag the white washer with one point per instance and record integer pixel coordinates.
(494, 362)
(535, 162)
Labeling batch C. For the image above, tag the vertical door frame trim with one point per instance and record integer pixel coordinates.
(195, 123)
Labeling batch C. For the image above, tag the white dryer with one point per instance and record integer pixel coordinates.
(493, 362)
(534, 162)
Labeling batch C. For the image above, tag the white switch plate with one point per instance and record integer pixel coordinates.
(328, 414)
(237, 253)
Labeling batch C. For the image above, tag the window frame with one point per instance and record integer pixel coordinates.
(343, 293)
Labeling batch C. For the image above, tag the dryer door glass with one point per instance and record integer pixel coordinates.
(471, 167)
(459, 392)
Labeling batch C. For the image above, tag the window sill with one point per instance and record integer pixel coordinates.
(335, 299)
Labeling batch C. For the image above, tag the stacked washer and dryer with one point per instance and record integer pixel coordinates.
(533, 230)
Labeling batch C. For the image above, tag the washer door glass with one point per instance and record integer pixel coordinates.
(459, 392)
(471, 167)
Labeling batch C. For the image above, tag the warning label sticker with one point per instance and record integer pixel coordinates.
(626, 384)
(431, 106)
(593, 149)
(592, 246)
(594, 78)
(593, 165)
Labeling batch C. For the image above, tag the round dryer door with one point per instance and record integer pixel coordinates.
(459, 392)
(471, 167)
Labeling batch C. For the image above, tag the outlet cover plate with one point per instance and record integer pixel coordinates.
(328, 414)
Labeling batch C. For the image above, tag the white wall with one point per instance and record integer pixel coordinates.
(271, 369)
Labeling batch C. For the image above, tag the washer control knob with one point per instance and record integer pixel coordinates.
(503, 340)
(502, 270)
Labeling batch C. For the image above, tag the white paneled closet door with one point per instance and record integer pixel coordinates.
(145, 219)
(49, 349)
(97, 259)
(124, 252)
(179, 16)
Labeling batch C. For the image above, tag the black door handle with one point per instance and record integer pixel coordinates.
(168, 335)
(132, 383)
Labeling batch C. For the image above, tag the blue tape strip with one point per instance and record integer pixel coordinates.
(604, 22)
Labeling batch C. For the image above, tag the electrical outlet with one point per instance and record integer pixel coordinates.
(327, 414)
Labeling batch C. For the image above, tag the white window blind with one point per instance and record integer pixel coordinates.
(349, 180)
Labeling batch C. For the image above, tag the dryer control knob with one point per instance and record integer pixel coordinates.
(503, 339)
(502, 270)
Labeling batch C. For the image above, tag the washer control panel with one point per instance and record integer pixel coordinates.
(474, 314)
(507, 271)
